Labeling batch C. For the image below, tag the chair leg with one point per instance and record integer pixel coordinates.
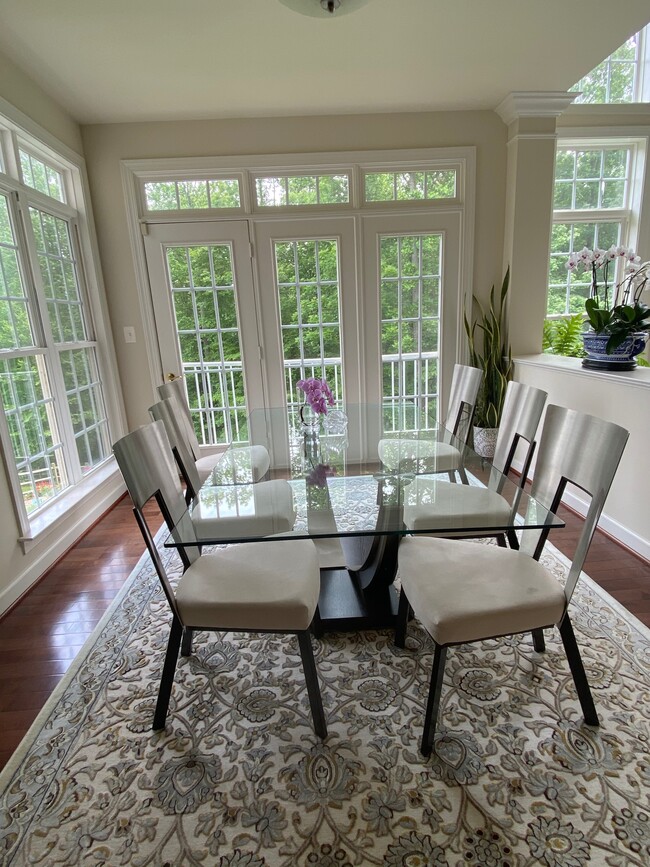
(317, 624)
(403, 614)
(311, 678)
(167, 679)
(513, 540)
(538, 640)
(433, 700)
(578, 672)
(186, 644)
(501, 540)
(463, 475)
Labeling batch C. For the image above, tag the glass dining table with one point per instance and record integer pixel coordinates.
(356, 482)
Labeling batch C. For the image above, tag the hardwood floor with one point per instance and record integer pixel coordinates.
(41, 635)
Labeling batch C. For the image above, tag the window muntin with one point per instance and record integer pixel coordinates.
(33, 429)
(15, 325)
(85, 398)
(616, 79)
(41, 176)
(58, 270)
(410, 273)
(194, 195)
(591, 178)
(308, 283)
(568, 291)
(205, 308)
(410, 185)
(273, 191)
(592, 195)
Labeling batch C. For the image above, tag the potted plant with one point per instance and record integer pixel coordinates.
(618, 321)
(494, 358)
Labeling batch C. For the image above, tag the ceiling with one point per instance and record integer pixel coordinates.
(108, 61)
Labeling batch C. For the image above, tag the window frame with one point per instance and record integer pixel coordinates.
(19, 133)
(629, 216)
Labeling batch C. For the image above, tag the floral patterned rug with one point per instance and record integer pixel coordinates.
(238, 777)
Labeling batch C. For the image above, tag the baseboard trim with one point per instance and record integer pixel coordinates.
(86, 513)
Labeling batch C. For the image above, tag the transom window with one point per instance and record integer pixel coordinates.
(192, 195)
(409, 185)
(614, 80)
(292, 190)
(41, 176)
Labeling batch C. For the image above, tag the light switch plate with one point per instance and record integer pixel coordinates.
(129, 334)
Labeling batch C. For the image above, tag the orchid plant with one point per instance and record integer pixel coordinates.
(614, 308)
(317, 393)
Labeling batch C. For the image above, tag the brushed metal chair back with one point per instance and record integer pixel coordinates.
(463, 395)
(166, 410)
(175, 391)
(582, 450)
(146, 460)
(522, 410)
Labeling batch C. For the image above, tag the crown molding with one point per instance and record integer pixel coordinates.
(522, 103)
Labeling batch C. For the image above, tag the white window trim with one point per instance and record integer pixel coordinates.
(17, 128)
(136, 172)
(636, 217)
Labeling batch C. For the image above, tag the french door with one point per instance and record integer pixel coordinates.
(370, 303)
(308, 304)
(206, 321)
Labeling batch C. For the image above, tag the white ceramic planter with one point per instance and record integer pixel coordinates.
(485, 440)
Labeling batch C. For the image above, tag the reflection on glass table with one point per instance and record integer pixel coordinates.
(335, 488)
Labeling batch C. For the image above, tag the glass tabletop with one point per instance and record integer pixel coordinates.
(368, 471)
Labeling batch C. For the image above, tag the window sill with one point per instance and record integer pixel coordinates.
(638, 378)
(99, 483)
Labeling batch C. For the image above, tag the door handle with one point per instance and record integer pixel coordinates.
(170, 377)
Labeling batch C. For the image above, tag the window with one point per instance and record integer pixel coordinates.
(410, 186)
(292, 190)
(192, 195)
(620, 78)
(54, 428)
(593, 208)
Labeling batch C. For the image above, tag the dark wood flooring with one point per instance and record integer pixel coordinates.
(45, 630)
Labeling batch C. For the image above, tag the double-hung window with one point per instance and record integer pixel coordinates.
(54, 426)
(592, 208)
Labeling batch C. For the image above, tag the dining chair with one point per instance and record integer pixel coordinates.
(431, 501)
(237, 465)
(422, 455)
(464, 591)
(268, 586)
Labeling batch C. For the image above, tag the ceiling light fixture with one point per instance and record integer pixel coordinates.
(324, 8)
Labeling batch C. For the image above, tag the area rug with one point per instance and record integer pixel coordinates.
(238, 777)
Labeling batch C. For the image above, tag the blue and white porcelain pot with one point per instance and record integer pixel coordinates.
(622, 358)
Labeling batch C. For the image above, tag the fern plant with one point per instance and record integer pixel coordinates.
(564, 336)
(493, 357)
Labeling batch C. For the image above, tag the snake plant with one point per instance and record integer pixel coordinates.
(493, 357)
